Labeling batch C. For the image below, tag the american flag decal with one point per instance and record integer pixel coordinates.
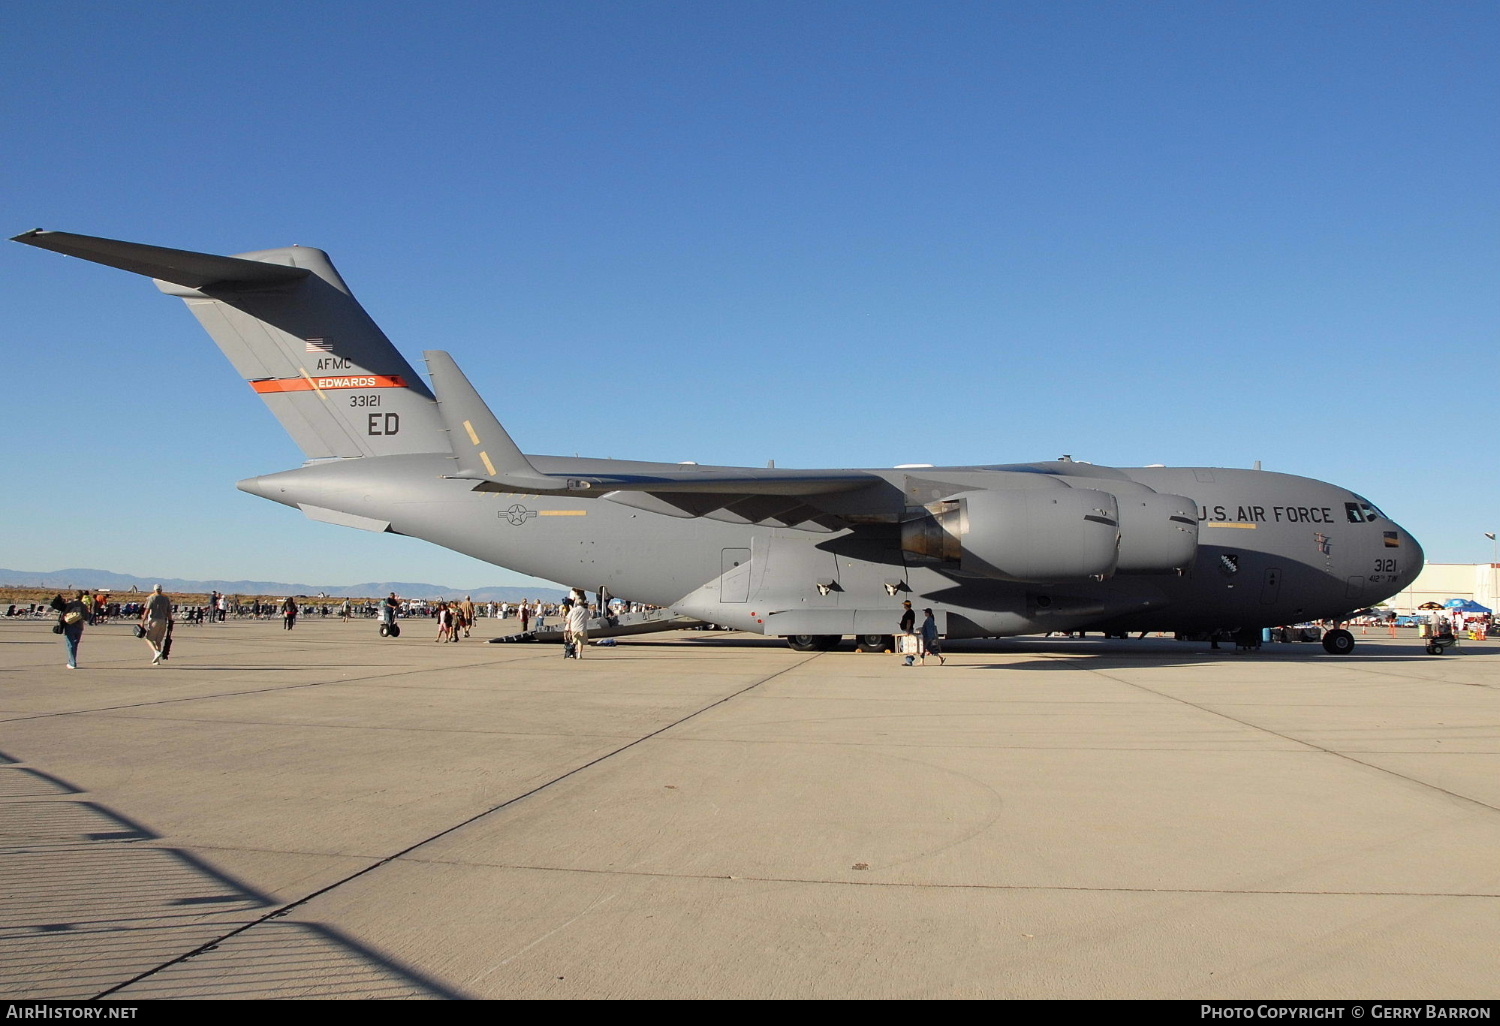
(1392, 539)
(319, 345)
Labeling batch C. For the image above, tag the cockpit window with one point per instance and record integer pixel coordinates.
(1361, 512)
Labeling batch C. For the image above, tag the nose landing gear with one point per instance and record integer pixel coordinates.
(1338, 642)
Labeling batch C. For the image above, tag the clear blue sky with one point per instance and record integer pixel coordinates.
(825, 233)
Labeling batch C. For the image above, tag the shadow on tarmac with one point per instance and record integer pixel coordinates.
(90, 909)
(1085, 652)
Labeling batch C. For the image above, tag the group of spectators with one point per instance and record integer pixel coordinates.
(157, 614)
(85, 609)
(97, 609)
(218, 608)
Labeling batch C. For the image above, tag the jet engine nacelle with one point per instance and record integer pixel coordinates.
(1041, 535)
(1158, 533)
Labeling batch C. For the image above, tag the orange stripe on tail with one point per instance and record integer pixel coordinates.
(326, 383)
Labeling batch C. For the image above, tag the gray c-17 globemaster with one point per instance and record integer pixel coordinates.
(812, 556)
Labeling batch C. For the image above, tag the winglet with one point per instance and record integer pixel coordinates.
(484, 450)
(179, 266)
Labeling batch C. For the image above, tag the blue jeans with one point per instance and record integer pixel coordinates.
(72, 635)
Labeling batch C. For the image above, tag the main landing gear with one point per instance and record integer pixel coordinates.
(813, 642)
(828, 642)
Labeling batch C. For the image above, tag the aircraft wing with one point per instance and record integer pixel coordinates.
(487, 454)
(780, 498)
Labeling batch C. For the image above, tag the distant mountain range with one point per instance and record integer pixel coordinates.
(79, 577)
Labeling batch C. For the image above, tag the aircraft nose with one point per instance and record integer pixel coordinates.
(1413, 558)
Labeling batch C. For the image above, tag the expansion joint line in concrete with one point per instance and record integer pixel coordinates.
(368, 678)
(1308, 744)
(291, 906)
(928, 885)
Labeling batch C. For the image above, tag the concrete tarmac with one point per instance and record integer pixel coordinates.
(320, 813)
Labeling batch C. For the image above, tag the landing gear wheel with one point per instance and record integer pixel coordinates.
(874, 642)
(813, 642)
(1338, 642)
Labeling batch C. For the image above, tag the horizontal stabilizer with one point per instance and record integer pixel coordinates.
(179, 266)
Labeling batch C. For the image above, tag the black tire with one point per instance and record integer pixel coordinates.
(1434, 648)
(383, 631)
(813, 642)
(874, 642)
(1338, 642)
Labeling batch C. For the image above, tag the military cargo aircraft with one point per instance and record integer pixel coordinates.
(812, 556)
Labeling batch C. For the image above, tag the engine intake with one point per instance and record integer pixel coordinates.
(1158, 533)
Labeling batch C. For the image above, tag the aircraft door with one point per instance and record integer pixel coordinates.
(1271, 586)
(734, 575)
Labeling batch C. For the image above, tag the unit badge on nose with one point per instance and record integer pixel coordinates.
(517, 514)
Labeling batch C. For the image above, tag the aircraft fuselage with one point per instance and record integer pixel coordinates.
(1272, 549)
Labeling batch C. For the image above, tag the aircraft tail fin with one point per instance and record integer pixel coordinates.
(293, 330)
(483, 448)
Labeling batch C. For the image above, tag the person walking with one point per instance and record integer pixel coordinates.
(578, 628)
(71, 617)
(908, 617)
(289, 613)
(156, 618)
(930, 644)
